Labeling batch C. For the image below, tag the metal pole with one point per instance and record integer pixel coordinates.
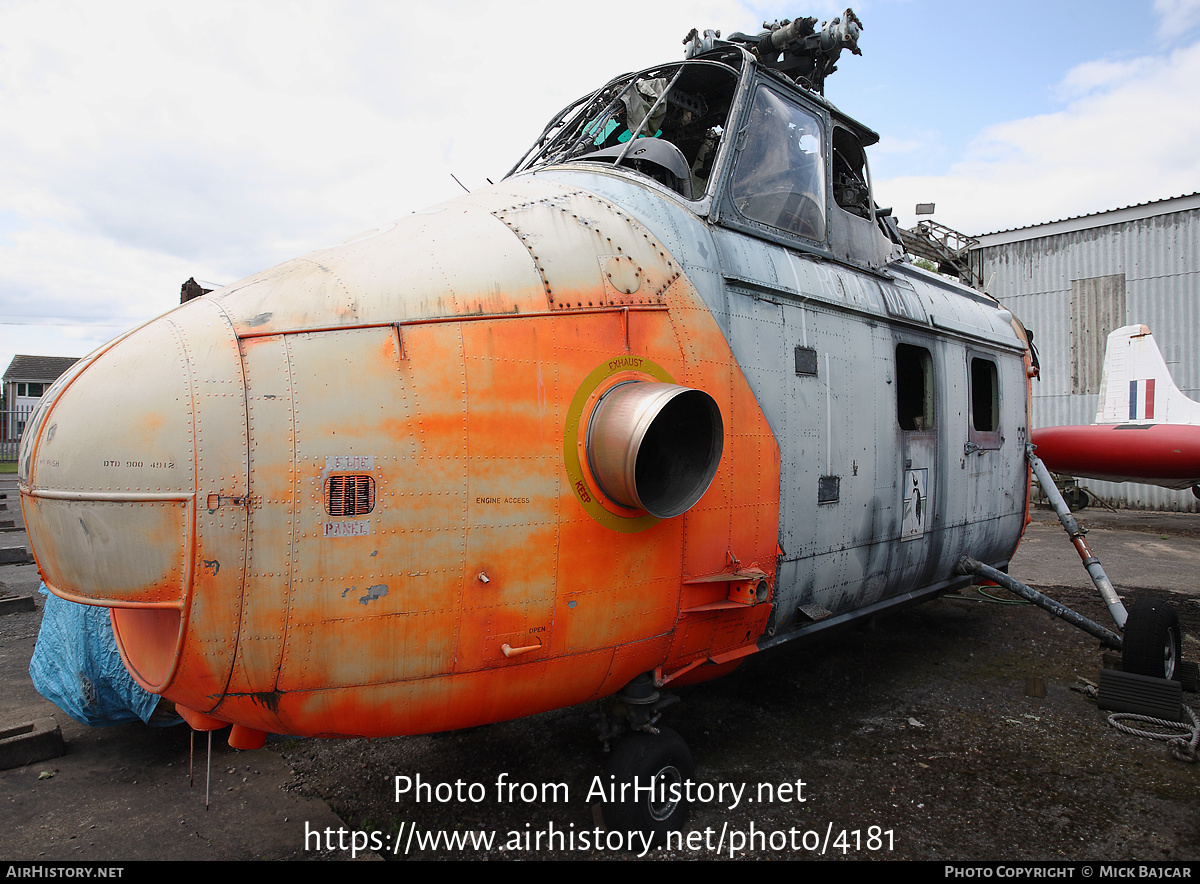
(971, 566)
(1107, 590)
(646, 119)
(208, 771)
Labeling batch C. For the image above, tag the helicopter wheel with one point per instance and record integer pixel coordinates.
(1152, 639)
(641, 759)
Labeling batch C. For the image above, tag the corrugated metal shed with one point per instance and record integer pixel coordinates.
(1073, 281)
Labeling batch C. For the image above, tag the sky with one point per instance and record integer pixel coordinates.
(142, 143)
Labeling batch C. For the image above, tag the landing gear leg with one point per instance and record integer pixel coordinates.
(649, 766)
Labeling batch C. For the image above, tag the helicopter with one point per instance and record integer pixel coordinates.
(666, 396)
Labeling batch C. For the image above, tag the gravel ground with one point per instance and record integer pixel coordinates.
(914, 740)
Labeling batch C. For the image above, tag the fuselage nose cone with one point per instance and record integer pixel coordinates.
(111, 468)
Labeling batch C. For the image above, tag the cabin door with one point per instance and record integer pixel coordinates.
(917, 419)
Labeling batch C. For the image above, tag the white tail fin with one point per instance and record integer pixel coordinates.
(1136, 385)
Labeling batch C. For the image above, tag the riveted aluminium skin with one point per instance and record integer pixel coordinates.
(458, 363)
(455, 377)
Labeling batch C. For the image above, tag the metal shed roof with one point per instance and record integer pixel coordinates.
(1095, 219)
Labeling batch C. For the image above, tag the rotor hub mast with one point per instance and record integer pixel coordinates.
(793, 47)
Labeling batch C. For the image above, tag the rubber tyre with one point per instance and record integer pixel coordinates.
(1152, 639)
(641, 758)
(1077, 499)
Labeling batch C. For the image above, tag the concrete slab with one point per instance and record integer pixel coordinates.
(1155, 553)
(30, 742)
(13, 604)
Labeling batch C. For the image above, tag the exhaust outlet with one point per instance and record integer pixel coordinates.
(655, 446)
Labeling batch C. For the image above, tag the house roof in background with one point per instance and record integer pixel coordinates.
(38, 368)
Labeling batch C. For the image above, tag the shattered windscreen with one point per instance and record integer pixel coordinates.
(684, 107)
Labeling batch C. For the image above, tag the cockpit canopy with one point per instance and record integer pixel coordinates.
(743, 145)
(685, 105)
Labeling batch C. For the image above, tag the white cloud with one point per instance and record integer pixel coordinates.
(142, 143)
(1129, 137)
(1178, 16)
(889, 144)
(1090, 76)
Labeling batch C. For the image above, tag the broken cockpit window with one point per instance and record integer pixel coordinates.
(644, 100)
(851, 184)
(779, 179)
(665, 123)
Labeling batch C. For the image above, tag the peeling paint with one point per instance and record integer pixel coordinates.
(377, 591)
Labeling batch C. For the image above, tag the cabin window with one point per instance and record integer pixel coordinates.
(984, 383)
(985, 396)
(914, 388)
(780, 175)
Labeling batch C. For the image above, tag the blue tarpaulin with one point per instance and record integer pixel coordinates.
(76, 666)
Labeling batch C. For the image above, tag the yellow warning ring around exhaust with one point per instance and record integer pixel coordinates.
(600, 380)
